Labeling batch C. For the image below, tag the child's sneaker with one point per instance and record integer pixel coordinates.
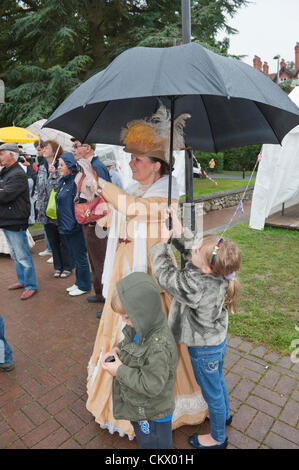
(7, 366)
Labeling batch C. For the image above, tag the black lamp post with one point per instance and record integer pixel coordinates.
(186, 33)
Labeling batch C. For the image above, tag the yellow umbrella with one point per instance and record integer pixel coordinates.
(17, 134)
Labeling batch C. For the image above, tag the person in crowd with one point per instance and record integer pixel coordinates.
(14, 215)
(96, 247)
(42, 176)
(32, 177)
(212, 164)
(204, 291)
(114, 174)
(6, 356)
(62, 259)
(145, 362)
(135, 226)
(28, 158)
(69, 230)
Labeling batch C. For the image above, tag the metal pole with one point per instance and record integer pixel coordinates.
(169, 221)
(186, 34)
(278, 66)
(186, 21)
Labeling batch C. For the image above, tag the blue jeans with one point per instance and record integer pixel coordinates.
(207, 363)
(5, 350)
(76, 246)
(20, 253)
(153, 435)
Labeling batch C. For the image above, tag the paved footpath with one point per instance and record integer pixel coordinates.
(42, 401)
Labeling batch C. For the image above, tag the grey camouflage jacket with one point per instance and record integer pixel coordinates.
(197, 314)
(44, 186)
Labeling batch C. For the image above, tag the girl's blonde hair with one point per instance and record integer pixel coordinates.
(116, 304)
(227, 261)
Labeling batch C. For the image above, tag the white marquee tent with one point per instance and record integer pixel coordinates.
(277, 179)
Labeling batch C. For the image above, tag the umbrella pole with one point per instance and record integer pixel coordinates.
(169, 224)
(189, 187)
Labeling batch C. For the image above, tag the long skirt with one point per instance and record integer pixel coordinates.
(190, 407)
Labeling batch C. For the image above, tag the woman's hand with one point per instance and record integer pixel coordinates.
(101, 184)
(52, 171)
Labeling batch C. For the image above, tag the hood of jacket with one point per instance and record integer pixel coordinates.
(141, 300)
(69, 160)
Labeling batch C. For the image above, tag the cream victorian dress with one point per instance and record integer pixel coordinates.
(135, 226)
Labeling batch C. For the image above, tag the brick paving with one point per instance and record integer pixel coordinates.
(42, 401)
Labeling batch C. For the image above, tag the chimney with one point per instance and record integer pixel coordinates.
(266, 68)
(282, 64)
(257, 63)
(297, 57)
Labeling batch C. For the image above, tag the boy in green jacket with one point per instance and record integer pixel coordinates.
(144, 364)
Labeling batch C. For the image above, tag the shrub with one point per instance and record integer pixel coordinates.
(204, 157)
(241, 157)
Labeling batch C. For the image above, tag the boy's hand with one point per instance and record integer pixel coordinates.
(111, 367)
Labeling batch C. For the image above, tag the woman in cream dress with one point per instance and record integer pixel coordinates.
(135, 226)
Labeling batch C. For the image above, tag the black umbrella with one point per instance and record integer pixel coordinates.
(231, 103)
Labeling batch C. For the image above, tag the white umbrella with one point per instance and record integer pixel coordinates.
(62, 138)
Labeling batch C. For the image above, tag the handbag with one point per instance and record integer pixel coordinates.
(51, 207)
(90, 211)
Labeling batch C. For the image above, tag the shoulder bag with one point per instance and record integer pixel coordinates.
(87, 212)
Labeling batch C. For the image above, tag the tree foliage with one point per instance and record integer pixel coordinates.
(48, 47)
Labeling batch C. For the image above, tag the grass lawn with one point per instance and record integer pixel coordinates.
(268, 306)
(35, 227)
(205, 186)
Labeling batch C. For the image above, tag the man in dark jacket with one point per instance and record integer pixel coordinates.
(14, 214)
(96, 247)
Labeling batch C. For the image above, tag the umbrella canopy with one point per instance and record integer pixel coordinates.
(51, 134)
(17, 134)
(231, 103)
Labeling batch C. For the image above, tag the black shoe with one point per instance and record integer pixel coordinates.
(92, 299)
(228, 421)
(99, 314)
(193, 440)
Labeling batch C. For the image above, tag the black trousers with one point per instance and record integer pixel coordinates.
(62, 259)
(153, 435)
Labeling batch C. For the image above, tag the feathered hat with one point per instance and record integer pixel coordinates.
(150, 137)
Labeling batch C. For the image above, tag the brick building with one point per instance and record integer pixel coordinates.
(284, 72)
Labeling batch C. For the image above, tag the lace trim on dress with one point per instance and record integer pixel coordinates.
(112, 429)
(188, 405)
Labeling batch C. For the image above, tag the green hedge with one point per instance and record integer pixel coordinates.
(205, 157)
(241, 157)
(231, 159)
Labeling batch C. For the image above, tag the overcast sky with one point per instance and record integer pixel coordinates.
(266, 28)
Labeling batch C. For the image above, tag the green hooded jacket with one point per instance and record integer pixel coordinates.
(143, 387)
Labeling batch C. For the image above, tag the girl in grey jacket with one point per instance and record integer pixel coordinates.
(203, 293)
